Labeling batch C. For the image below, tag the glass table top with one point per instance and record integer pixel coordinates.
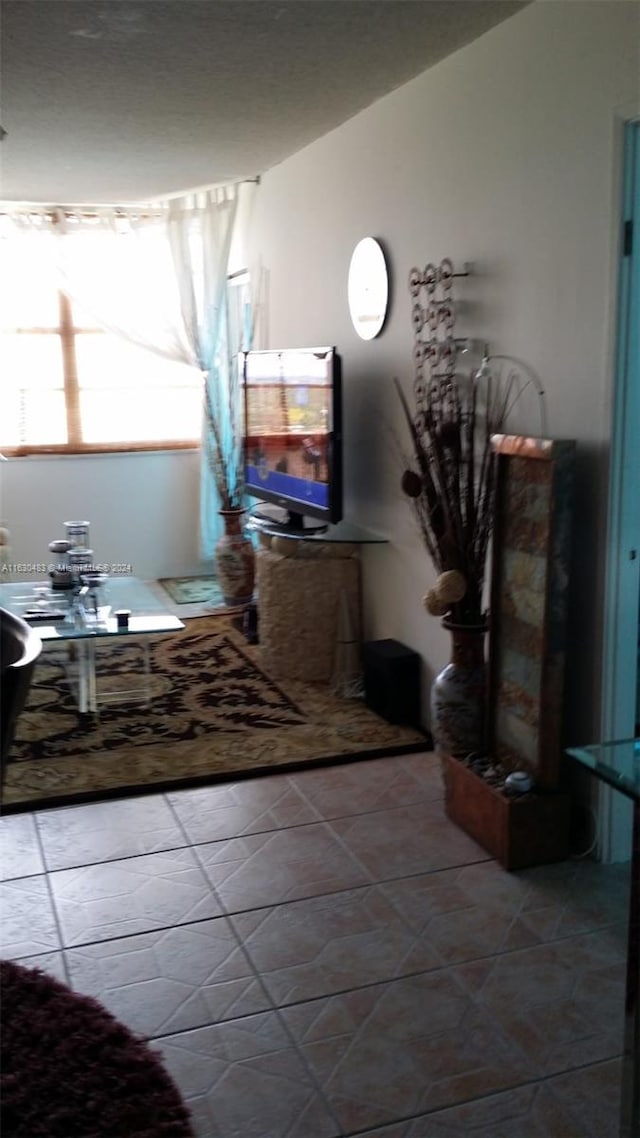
(616, 763)
(343, 533)
(147, 612)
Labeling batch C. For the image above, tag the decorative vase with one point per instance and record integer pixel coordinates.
(235, 560)
(458, 693)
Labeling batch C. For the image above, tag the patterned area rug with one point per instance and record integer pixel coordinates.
(215, 714)
(194, 590)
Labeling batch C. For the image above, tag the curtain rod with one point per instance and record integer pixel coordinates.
(155, 203)
(203, 189)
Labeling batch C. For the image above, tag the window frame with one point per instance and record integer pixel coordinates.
(238, 296)
(67, 331)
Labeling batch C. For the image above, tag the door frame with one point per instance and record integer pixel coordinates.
(622, 585)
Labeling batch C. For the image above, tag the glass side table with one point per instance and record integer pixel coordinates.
(617, 764)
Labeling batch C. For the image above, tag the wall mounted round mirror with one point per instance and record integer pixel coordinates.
(368, 288)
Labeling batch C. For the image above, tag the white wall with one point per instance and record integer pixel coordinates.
(143, 508)
(507, 155)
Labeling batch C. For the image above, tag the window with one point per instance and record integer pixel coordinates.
(67, 385)
(70, 387)
(239, 313)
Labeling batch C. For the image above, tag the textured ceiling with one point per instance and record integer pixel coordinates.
(127, 100)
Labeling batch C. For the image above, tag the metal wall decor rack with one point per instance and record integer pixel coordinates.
(437, 349)
(433, 315)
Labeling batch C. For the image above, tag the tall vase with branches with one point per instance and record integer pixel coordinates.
(222, 442)
(234, 553)
(449, 481)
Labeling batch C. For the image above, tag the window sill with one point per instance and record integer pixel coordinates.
(107, 449)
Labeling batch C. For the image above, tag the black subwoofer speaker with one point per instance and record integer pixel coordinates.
(392, 681)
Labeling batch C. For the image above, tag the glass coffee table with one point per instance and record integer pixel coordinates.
(617, 764)
(82, 625)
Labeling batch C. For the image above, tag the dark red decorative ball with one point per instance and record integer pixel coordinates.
(411, 484)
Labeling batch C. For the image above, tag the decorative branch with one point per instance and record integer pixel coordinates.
(450, 478)
(223, 464)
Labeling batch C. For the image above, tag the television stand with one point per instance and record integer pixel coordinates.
(343, 533)
(275, 520)
(309, 598)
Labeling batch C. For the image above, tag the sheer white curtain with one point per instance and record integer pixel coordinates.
(157, 276)
(27, 251)
(117, 266)
(200, 229)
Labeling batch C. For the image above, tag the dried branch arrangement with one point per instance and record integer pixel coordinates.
(450, 480)
(223, 442)
(450, 484)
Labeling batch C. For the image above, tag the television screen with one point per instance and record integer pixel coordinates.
(292, 433)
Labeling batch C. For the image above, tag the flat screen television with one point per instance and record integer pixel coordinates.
(293, 436)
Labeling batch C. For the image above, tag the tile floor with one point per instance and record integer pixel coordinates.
(324, 954)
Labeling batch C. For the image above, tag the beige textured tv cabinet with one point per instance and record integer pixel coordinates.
(309, 600)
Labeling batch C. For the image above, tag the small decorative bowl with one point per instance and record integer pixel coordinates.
(518, 782)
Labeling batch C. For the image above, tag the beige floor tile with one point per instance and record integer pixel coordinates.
(560, 1003)
(410, 1046)
(250, 806)
(27, 920)
(245, 1078)
(527, 1112)
(118, 898)
(19, 848)
(171, 980)
(356, 788)
(285, 865)
(406, 840)
(104, 831)
(330, 944)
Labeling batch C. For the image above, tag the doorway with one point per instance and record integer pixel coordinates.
(621, 664)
